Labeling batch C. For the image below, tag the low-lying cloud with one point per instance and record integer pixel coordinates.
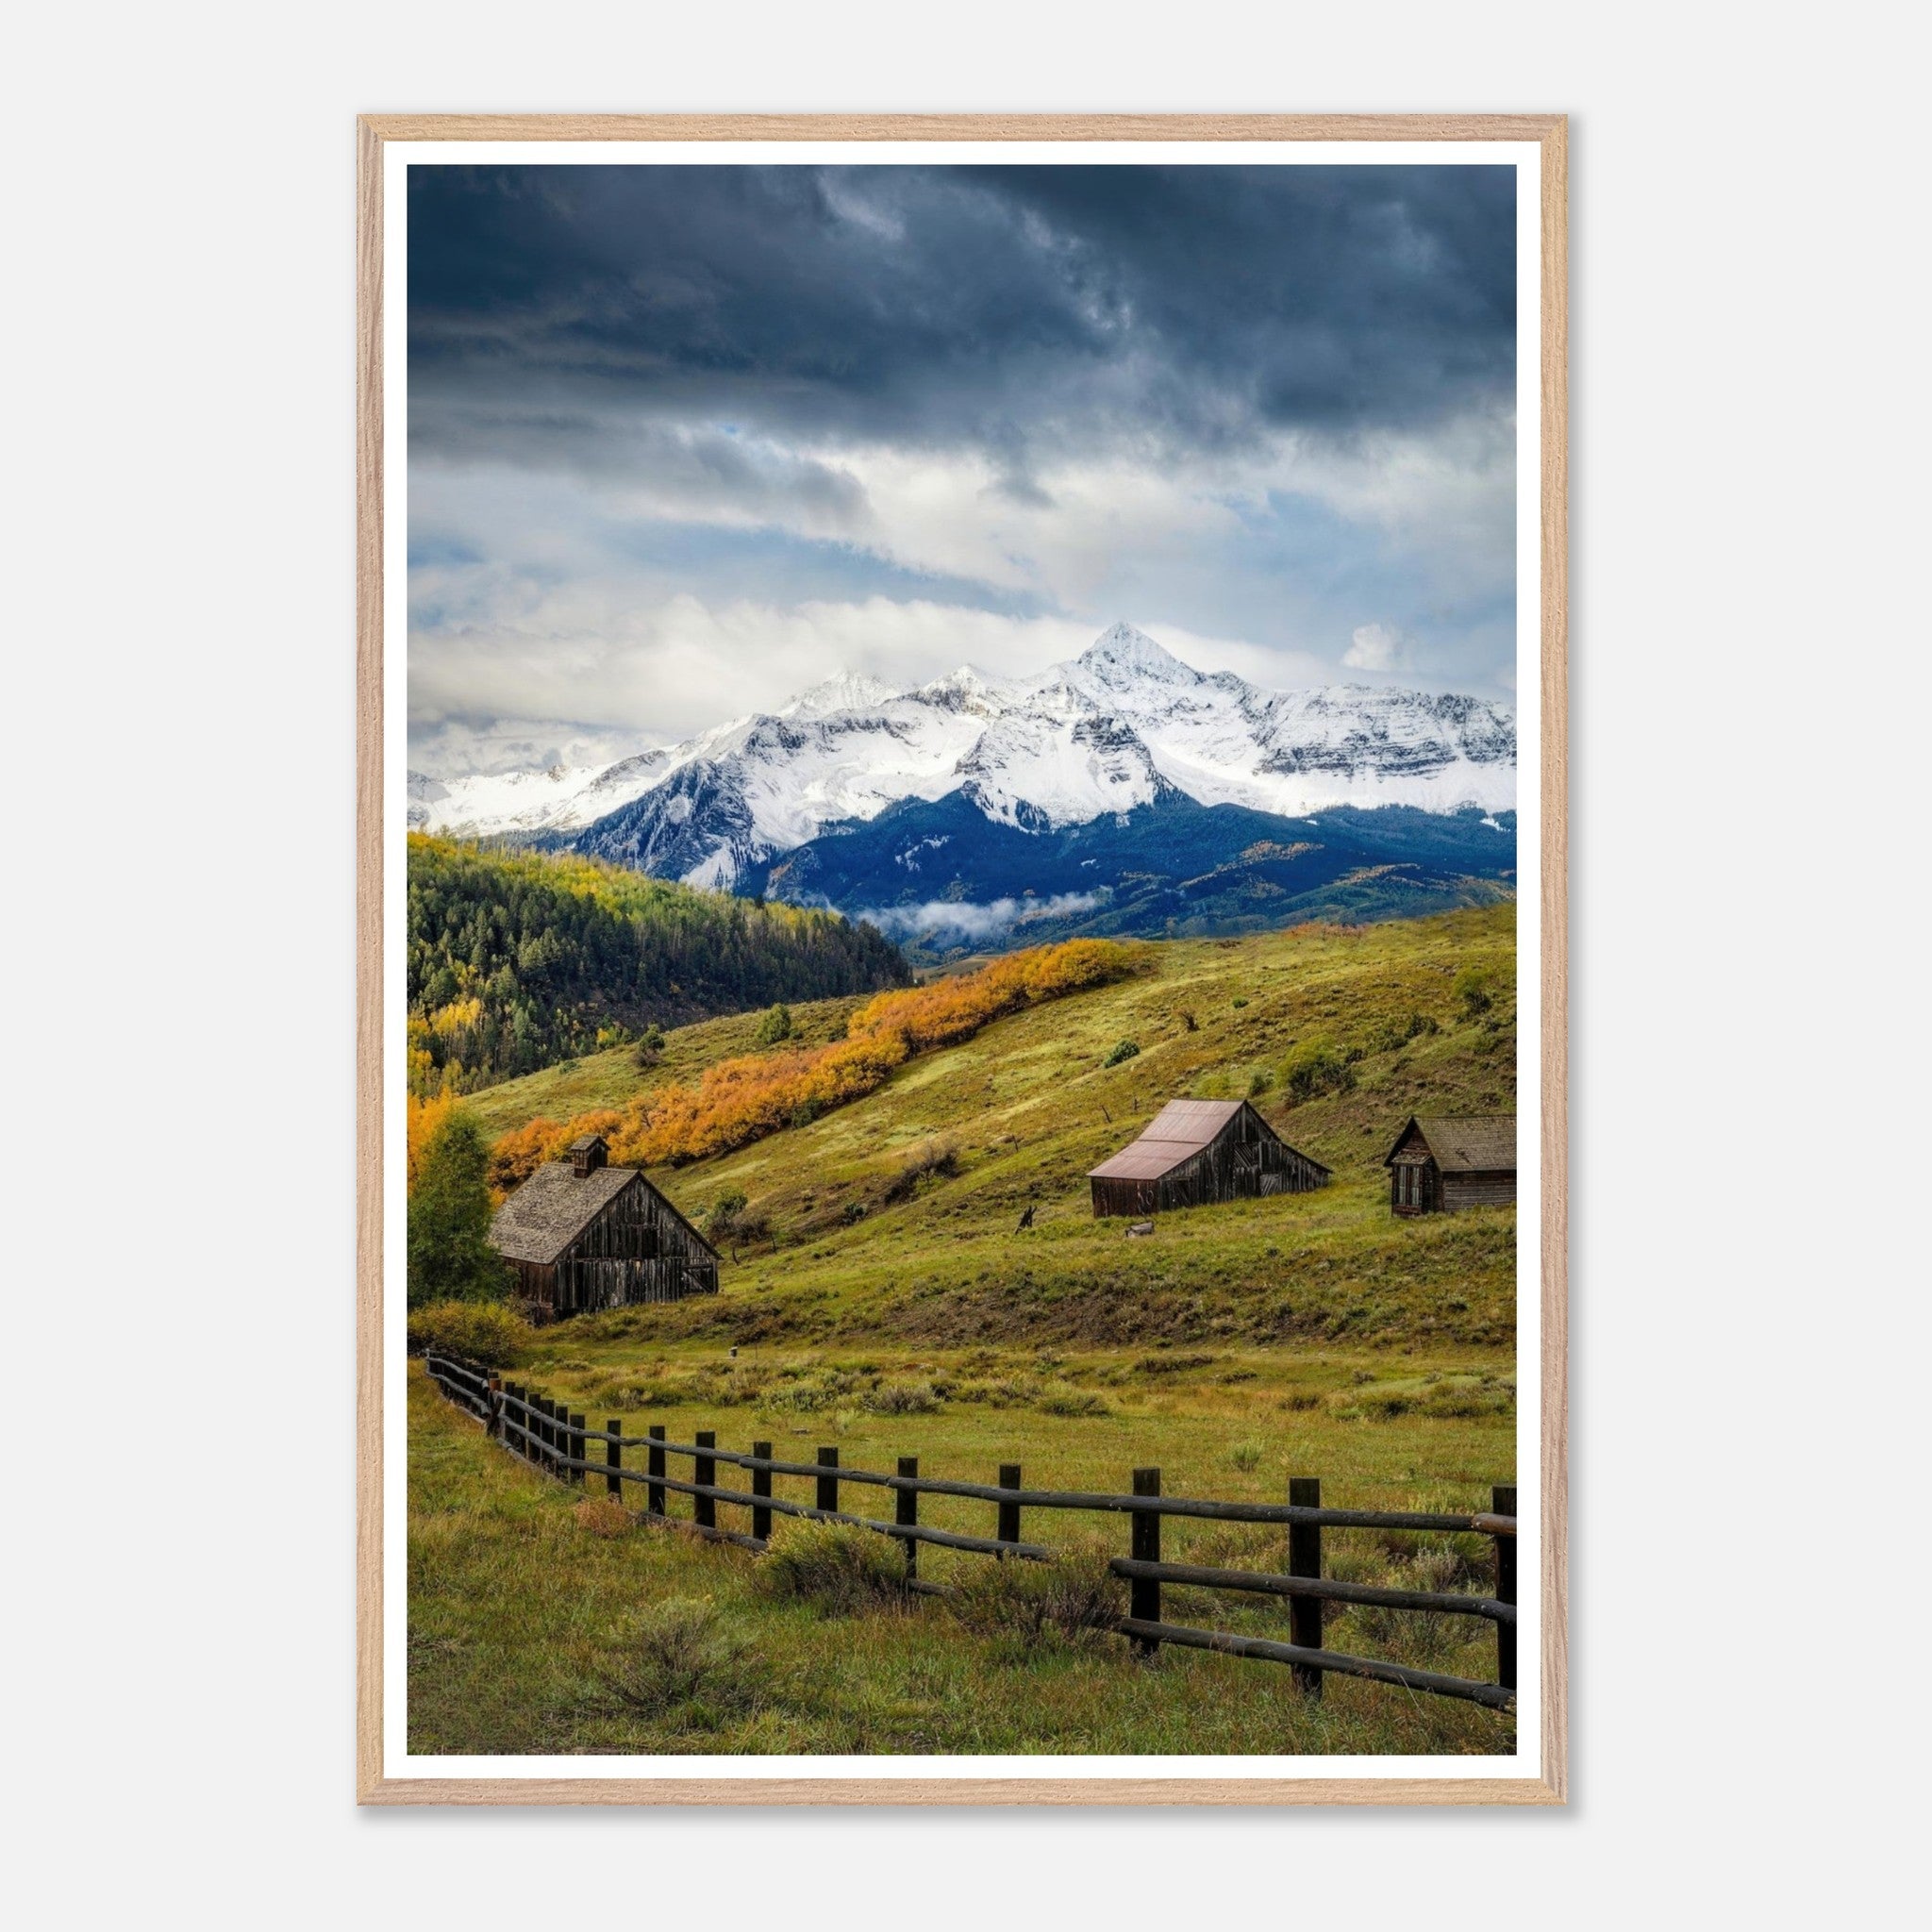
(996, 917)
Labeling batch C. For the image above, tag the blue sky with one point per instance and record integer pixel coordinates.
(684, 441)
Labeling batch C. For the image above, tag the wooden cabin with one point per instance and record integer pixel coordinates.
(1443, 1164)
(1199, 1151)
(581, 1234)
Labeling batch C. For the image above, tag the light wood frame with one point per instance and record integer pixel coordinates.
(1550, 133)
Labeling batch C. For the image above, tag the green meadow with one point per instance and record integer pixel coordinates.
(880, 1294)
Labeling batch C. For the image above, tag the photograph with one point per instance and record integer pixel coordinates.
(962, 1054)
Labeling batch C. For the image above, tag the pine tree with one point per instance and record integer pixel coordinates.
(450, 1256)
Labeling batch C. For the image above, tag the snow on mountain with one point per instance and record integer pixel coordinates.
(1124, 723)
(844, 691)
(1036, 772)
(1225, 742)
(561, 798)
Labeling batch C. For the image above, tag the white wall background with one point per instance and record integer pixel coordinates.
(1750, 632)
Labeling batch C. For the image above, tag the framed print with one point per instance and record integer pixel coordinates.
(961, 941)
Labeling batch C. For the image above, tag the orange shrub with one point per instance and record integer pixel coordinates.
(519, 1153)
(739, 1101)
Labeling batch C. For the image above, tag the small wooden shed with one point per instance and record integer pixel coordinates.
(581, 1234)
(1199, 1151)
(1448, 1162)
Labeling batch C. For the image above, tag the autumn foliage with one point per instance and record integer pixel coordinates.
(739, 1101)
(423, 1121)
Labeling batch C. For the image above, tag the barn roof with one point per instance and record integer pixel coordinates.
(555, 1205)
(551, 1209)
(1465, 1144)
(1178, 1132)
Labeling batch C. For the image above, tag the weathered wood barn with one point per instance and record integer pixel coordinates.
(1197, 1151)
(581, 1234)
(1440, 1165)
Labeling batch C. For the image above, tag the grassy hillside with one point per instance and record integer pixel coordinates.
(878, 1295)
(898, 1215)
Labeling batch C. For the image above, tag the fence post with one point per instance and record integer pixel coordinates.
(906, 1513)
(828, 1484)
(761, 1486)
(1009, 1512)
(1304, 1559)
(613, 1455)
(654, 1465)
(553, 1435)
(1144, 1595)
(492, 1422)
(546, 1433)
(705, 1471)
(579, 1447)
(513, 1419)
(1504, 1502)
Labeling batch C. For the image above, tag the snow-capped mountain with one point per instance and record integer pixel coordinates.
(1126, 725)
(560, 798)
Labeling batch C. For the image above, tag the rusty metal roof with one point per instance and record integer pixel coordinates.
(1178, 1132)
(1466, 1143)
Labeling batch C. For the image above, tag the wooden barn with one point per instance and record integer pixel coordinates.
(581, 1234)
(1440, 1165)
(1199, 1151)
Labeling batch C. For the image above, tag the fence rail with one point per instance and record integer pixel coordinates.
(559, 1443)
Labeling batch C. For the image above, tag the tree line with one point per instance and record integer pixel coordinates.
(519, 959)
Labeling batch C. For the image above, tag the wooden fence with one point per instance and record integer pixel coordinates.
(563, 1445)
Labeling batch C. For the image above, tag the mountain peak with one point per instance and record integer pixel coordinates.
(844, 691)
(1121, 653)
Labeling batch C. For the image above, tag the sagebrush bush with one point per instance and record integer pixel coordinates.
(677, 1662)
(1245, 1456)
(1065, 1401)
(903, 1398)
(721, 1216)
(1214, 1545)
(1124, 1050)
(810, 1394)
(1474, 987)
(485, 1332)
(621, 1392)
(1418, 1636)
(1464, 1400)
(1317, 1067)
(1065, 1603)
(837, 1567)
(936, 1159)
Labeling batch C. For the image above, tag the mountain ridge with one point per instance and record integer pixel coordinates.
(1126, 725)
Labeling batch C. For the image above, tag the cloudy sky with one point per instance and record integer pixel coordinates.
(684, 441)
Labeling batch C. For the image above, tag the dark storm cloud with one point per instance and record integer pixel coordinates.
(565, 316)
(683, 441)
